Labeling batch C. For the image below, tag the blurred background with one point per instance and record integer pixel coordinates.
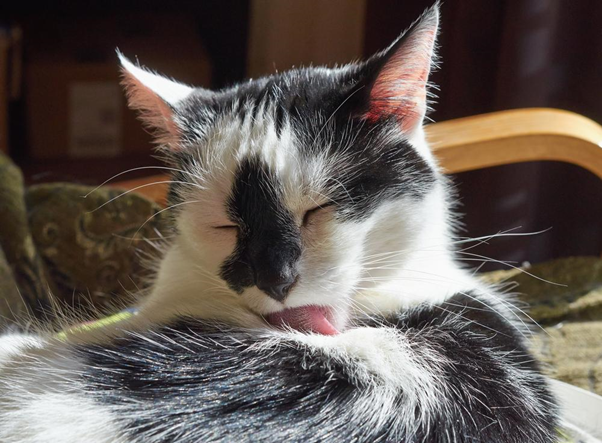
(63, 116)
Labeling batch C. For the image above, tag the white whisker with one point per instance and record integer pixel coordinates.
(140, 168)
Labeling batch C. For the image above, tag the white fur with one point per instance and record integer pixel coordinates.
(170, 91)
(12, 345)
(48, 417)
(42, 400)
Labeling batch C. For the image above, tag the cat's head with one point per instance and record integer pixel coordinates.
(296, 191)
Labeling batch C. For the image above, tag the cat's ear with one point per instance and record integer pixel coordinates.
(397, 83)
(155, 97)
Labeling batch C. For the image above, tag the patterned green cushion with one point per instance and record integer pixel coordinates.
(64, 251)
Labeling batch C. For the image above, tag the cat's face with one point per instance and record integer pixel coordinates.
(291, 189)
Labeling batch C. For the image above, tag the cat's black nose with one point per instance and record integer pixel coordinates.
(277, 286)
(274, 262)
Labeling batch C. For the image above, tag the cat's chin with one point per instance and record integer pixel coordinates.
(309, 318)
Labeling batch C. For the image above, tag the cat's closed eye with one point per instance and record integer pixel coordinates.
(227, 227)
(310, 214)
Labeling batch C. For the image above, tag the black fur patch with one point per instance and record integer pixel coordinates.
(197, 382)
(269, 241)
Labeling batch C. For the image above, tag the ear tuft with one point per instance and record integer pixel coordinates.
(399, 88)
(154, 97)
(170, 91)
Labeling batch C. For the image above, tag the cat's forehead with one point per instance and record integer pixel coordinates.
(256, 150)
(270, 119)
(291, 134)
(302, 88)
(249, 154)
(299, 96)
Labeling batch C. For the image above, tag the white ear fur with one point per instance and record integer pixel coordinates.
(170, 91)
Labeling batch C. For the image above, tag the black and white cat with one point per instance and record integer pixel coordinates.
(310, 292)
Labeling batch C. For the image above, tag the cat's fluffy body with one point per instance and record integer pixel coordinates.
(423, 352)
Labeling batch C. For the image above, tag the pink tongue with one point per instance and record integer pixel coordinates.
(305, 319)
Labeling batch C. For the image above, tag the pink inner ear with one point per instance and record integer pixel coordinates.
(400, 87)
(153, 110)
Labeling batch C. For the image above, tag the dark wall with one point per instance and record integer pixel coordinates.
(223, 25)
(222, 28)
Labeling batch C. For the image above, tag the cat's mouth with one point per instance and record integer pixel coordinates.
(312, 318)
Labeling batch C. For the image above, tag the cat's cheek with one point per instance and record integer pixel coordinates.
(221, 241)
(212, 246)
(331, 265)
